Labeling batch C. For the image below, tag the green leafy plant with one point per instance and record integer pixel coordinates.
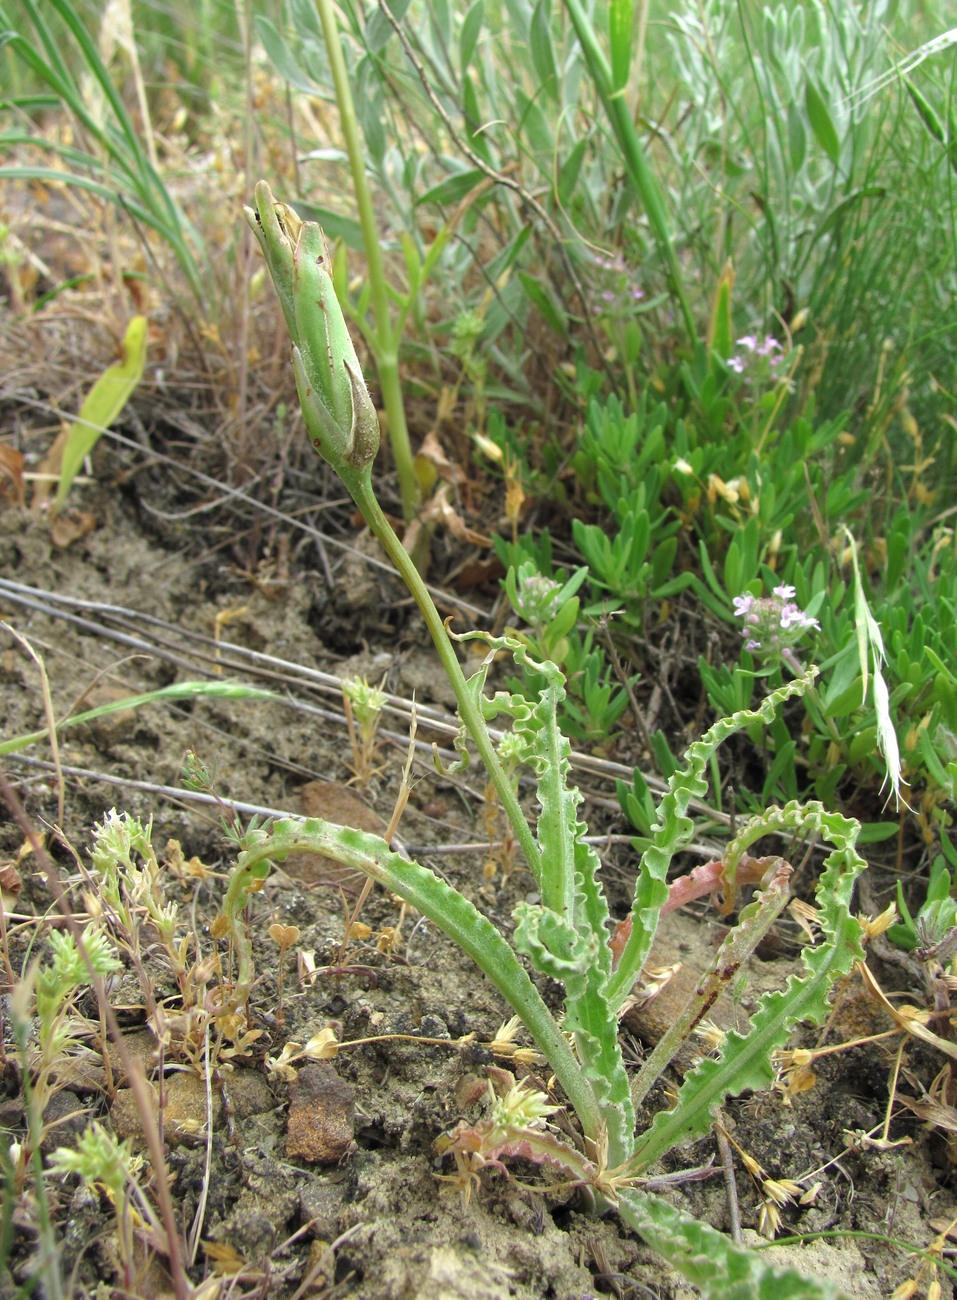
(108, 1165)
(363, 706)
(935, 921)
(566, 936)
(61, 1032)
(204, 1004)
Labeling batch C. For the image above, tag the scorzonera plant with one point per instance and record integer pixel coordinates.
(567, 935)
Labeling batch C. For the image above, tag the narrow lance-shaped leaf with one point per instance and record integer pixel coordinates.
(926, 112)
(721, 332)
(822, 124)
(621, 14)
(103, 404)
(469, 34)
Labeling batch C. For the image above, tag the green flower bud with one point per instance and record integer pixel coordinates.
(340, 416)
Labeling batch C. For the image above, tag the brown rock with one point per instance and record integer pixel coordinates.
(184, 1110)
(321, 1115)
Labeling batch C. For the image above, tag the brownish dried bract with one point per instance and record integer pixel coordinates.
(70, 525)
(11, 475)
(10, 885)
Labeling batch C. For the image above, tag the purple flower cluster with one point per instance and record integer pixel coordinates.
(772, 624)
(753, 350)
(620, 291)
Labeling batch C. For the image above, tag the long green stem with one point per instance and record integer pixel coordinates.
(639, 172)
(385, 342)
(469, 711)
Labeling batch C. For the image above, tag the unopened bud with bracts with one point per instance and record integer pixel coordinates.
(340, 416)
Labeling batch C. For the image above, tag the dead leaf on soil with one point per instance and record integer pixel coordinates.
(48, 471)
(10, 885)
(69, 526)
(910, 1019)
(440, 510)
(946, 1223)
(11, 475)
(431, 463)
(225, 1259)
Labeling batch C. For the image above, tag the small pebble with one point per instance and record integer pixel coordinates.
(321, 1116)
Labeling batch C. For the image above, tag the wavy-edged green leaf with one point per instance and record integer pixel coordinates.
(567, 936)
(745, 1059)
(753, 923)
(674, 829)
(579, 936)
(710, 1260)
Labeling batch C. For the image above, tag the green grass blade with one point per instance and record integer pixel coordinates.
(178, 691)
(639, 172)
(123, 152)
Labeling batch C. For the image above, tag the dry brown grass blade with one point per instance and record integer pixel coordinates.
(47, 713)
(910, 1023)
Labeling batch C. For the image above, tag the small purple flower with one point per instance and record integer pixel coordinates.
(616, 291)
(756, 356)
(793, 616)
(772, 624)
